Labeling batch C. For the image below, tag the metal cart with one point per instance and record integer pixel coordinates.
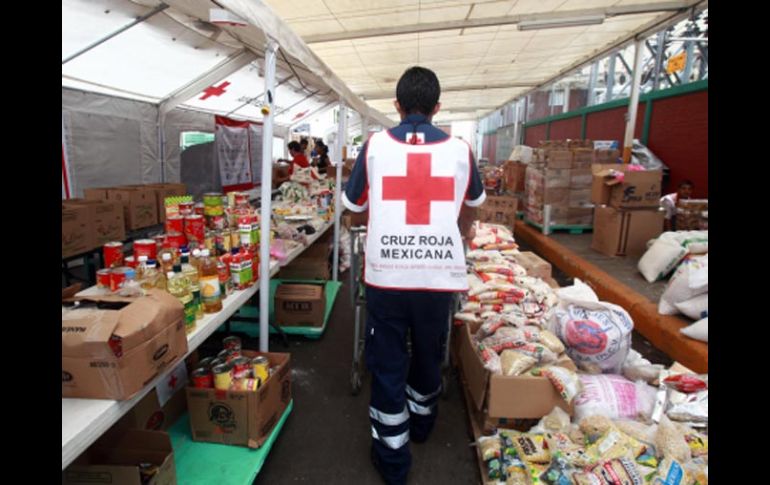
(358, 299)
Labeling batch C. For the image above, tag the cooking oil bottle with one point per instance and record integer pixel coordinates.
(192, 274)
(211, 293)
(179, 286)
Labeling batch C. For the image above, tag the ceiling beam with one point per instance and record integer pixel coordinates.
(451, 89)
(674, 6)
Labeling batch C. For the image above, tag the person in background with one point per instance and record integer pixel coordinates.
(297, 156)
(322, 160)
(669, 202)
(305, 148)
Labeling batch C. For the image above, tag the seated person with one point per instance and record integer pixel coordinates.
(297, 156)
(322, 160)
(669, 202)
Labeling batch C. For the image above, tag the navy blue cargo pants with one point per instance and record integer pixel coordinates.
(404, 391)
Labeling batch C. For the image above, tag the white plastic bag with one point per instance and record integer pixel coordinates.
(662, 257)
(614, 397)
(595, 333)
(698, 330)
(689, 281)
(696, 307)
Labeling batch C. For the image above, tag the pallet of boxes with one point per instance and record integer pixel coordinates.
(627, 214)
(558, 186)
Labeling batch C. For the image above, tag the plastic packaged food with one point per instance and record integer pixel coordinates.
(515, 363)
(531, 449)
(551, 341)
(566, 382)
(489, 446)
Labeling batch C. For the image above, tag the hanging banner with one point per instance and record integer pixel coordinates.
(255, 142)
(231, 141)
(676, 63)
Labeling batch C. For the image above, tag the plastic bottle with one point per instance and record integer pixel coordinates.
(211, 294)
(166, 263)
(179, 286)
(191, 272)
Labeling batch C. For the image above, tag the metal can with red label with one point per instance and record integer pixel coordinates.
(218, 222)
(232, 342)
(175, 240)
(175, 224)
(113, 254)
(186, 208)
(206, 363)
(203, 378)
(146, 247)
(228, 355)
(242, 199)
(103, 278)
(130, 261)
(195, 228)
(198, 209)
(117, 278)
(241, 367)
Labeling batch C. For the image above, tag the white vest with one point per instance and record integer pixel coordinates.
(415, 196)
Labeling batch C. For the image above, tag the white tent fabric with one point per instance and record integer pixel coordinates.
(472, 45)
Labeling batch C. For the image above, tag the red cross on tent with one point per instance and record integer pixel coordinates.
(214, 90)
(172, 381)
(418, 188)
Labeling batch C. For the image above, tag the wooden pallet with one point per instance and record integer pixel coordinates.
(572, 229)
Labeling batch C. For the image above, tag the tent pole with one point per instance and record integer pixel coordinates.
(628, 141)
(341, 138)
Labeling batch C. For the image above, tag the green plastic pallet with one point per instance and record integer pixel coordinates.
(199, 463)
(331, 288)
(572, 229)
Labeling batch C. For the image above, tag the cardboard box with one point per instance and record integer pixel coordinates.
(581, 178)
(300, 305)
(96, 193)
(149, 415)
(114, 459)
(557, 178)
(76, 231)
(625, 232)
(637, 190)
(499, 210)
(140, 205)
(243, 418)
(507, 397)
(604, 155)
(113, 354)
(580, 198)
(534, 264)
(106, 220)
(554, 157)
(166, 190)
(513, 176)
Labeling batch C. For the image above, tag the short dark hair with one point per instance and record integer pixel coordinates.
(293, 145)
(303, 141)
(418, 90)
(686, 182)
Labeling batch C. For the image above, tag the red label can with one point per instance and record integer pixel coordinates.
(241, 367)
(103, 278)
(241, 199)
(203, 378)
(186, 208)
(175, 224)
(195, 228)
(217, 223)
(113, 254)
(175, 240)
(232, 342)
(131, 261)
(146, 247)
(198, 208)
(117, 278)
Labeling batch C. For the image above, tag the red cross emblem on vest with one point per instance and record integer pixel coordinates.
(418, 188)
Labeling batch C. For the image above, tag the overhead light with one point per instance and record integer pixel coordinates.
(558, 23)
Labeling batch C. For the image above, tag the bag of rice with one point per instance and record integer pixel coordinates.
(515, 363)
(661, 259)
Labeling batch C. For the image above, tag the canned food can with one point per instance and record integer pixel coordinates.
(235, 239)
(217, 222)
(261, 367)
(131, 261)
(117, 278)
(206, 362)
(232, 342)
(217, 361)
(195, 228)
(146, 247)
(210, 241)
(175, 240)
(175, 223)
(229, 355)
(223, 377)
(212, 199)
(103, 278)
(203, 378)
(113, 254)
(245, 384)
(160, 240)
(241, 199)
(231, 199)
(186, 208)
(241, 367)
(198, 209)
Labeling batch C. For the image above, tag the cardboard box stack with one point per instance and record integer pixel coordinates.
(692, 215)
(560, 177)
(499, 209)
(88, 224)
(627, 209)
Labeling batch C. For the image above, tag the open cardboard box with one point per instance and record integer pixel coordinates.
(114, 353)
(498, 396)
(636, 190)
(244, 418)
(115, 459)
